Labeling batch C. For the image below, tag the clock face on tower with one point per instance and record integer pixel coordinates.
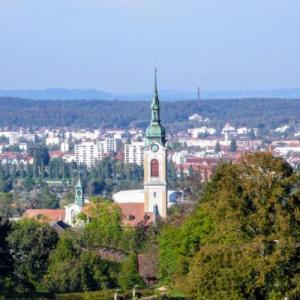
(78, 193)
(154, 148)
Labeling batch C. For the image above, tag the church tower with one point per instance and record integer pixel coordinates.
(155, 162)
(79, 198)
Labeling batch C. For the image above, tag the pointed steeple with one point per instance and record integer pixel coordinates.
(155, 100)
(79, 184)
(155, 107)
(155, 131)
(79, 198)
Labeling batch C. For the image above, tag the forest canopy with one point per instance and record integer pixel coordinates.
(260, 113)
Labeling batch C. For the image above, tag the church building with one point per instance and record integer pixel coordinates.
(139, 207)
(153, 201)
(66, 215)
(155, 162)
(73, 209)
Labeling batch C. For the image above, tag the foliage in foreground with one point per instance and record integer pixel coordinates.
(244, 238)
(75, 264)
(30, 243)
(73, 269)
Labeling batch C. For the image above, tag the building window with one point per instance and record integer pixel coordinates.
(154, 168)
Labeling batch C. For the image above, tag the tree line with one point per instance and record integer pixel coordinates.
(264, 114)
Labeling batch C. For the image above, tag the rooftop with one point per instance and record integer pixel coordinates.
(51, 215)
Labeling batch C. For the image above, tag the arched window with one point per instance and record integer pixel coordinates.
(154, 168)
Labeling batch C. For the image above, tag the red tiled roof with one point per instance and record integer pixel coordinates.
(56, 153)
(51, 215)
(133, 214)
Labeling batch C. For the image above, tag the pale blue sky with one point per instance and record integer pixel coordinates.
(111, 44)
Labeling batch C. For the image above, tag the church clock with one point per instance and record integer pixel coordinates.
(154, 148)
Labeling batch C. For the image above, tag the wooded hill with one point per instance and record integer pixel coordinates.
(262, 113)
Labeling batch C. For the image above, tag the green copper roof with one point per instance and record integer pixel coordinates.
(155, 131)
(79, 198)
(79, 184)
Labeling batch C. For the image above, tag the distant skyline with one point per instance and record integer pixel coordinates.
(111, 45)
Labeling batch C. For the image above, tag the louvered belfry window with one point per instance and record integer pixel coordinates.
(154, 168)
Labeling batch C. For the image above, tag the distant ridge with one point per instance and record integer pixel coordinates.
(58, 94)
(166, 95)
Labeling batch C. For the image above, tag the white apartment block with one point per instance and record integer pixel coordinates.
(134, 153)
(84, 134)
(14, 136)
(111, 145)
(88, 153)
(108, 145)
(64, 147)
(23, 147)
(202, 130)
(117, 134)
(52, 140)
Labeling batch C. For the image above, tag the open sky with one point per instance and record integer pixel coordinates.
(111, 45)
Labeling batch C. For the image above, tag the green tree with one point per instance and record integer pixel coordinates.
(233, 146)
(41, 158)
(178, 243)
(252, 250)
(6, 261)
(75, 268)
(105, 228)
(217, 147)
(169, 251)
(172, 174)
(4, 139)
(30, 243)
(6, 205)
(129, 276)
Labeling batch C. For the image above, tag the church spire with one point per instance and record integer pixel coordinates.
(79, 198)
(155, 102)
(155, 131)
(155, 83)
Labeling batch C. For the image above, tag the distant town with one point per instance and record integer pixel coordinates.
(198, 149)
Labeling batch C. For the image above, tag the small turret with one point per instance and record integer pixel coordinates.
(79, 199)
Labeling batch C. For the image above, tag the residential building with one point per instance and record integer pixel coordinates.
(64, 147)
(88, 153)
(134, 153)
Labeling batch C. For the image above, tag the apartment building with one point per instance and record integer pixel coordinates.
(134, 153)
(88, 153)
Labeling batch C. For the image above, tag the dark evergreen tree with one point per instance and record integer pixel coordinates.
(233, 146)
